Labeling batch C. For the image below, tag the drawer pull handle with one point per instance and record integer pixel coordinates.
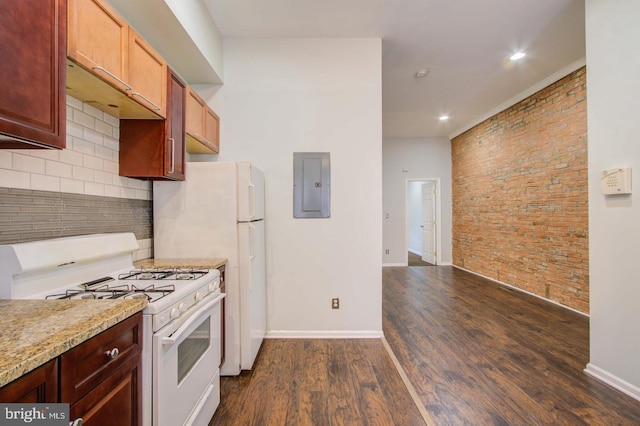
(113, 353)
(76, 422)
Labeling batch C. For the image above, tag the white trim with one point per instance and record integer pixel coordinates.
(428, 420)
(445, 264)
(414, 251)
(324, 334)
(522, 95)
(523, 291)
(613, 381)
(438, 216)
(387, 265)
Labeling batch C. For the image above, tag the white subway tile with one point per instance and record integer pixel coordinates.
(113, 191)
(104, 153)
(104, 128)
(55, 168)
(76, 103)
(112, 143)
(45, 183)
(84, 119)
(93, 136)
(72, 186)
(6, 159)
(46, 154)
(129, 193)
(112, 167)
(102, 177)
(82, 173)
(92, 162)
(92, 188)
(15, 179)
(114, 121)
(25, 163)
(116, 133)
(71, 157)
(83, 146)
(74, 129)
(120, 181)
(141, 194)
(69, 111)
(93, 111)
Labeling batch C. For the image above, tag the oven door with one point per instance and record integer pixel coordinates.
(186, 356)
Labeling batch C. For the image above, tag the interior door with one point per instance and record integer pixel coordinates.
(429, 222)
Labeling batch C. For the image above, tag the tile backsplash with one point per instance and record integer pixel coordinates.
(47, 193)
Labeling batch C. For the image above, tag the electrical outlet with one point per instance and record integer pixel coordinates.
(386, 251)
(335, 303)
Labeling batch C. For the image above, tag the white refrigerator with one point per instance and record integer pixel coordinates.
(218, 212)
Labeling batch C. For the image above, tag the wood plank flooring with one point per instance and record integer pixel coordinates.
(475, 352)
(318, 382)
(480, 354)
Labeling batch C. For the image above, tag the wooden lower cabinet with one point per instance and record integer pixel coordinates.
(37, 386)
(102, 385)
(101, 378)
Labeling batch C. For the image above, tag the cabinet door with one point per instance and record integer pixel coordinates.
(115, 401)
(98, 39)
(152, 149)
(175, 157)
(147, 75)
(37, 386)
(195, 117)
(212, 129)
(32, 87)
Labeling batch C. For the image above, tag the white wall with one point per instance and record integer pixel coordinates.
(426, 158)
(304, 95)
(614, 222)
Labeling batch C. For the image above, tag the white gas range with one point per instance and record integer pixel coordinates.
(181, 324)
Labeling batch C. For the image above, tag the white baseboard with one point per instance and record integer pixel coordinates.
(385, 265)
(324, 334)
(523, 291)
(613, 381)
(445, 264)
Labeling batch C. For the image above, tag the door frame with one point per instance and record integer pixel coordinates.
(438, 217)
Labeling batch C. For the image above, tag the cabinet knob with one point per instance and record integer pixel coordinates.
(112, 354)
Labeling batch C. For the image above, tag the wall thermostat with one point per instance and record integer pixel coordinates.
(616, 181)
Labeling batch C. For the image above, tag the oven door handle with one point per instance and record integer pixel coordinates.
(175, 336)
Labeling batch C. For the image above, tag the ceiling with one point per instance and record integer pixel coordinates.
(465, 45)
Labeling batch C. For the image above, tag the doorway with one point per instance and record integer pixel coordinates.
(422, 236)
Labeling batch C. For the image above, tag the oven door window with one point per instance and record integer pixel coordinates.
(192, 348)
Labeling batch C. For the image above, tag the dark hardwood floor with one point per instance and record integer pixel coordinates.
(318, 382)
(416, 260)
(480, 354)
(475, 352)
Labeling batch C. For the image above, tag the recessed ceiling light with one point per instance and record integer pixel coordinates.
(444, 117)
(422, 73)
(517, 56)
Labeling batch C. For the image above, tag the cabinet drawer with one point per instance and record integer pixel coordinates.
(87, 365)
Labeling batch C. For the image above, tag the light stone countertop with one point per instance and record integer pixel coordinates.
(33, 332)
(209, 263)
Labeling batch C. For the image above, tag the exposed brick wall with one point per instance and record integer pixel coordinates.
(520, 212)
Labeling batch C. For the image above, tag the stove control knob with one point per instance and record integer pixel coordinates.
(175, 313)
(181, 307)
(212, 287)
(197, 296)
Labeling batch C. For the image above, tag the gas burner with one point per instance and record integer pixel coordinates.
(146, 274)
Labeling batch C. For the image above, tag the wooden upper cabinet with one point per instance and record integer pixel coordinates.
(147, 74)
(110, 66)
(32, 70)
(98, 40)
(153, 149)
(203, 126)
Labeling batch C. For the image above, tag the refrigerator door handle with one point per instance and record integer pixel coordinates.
(252, 242)
(252, 201)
